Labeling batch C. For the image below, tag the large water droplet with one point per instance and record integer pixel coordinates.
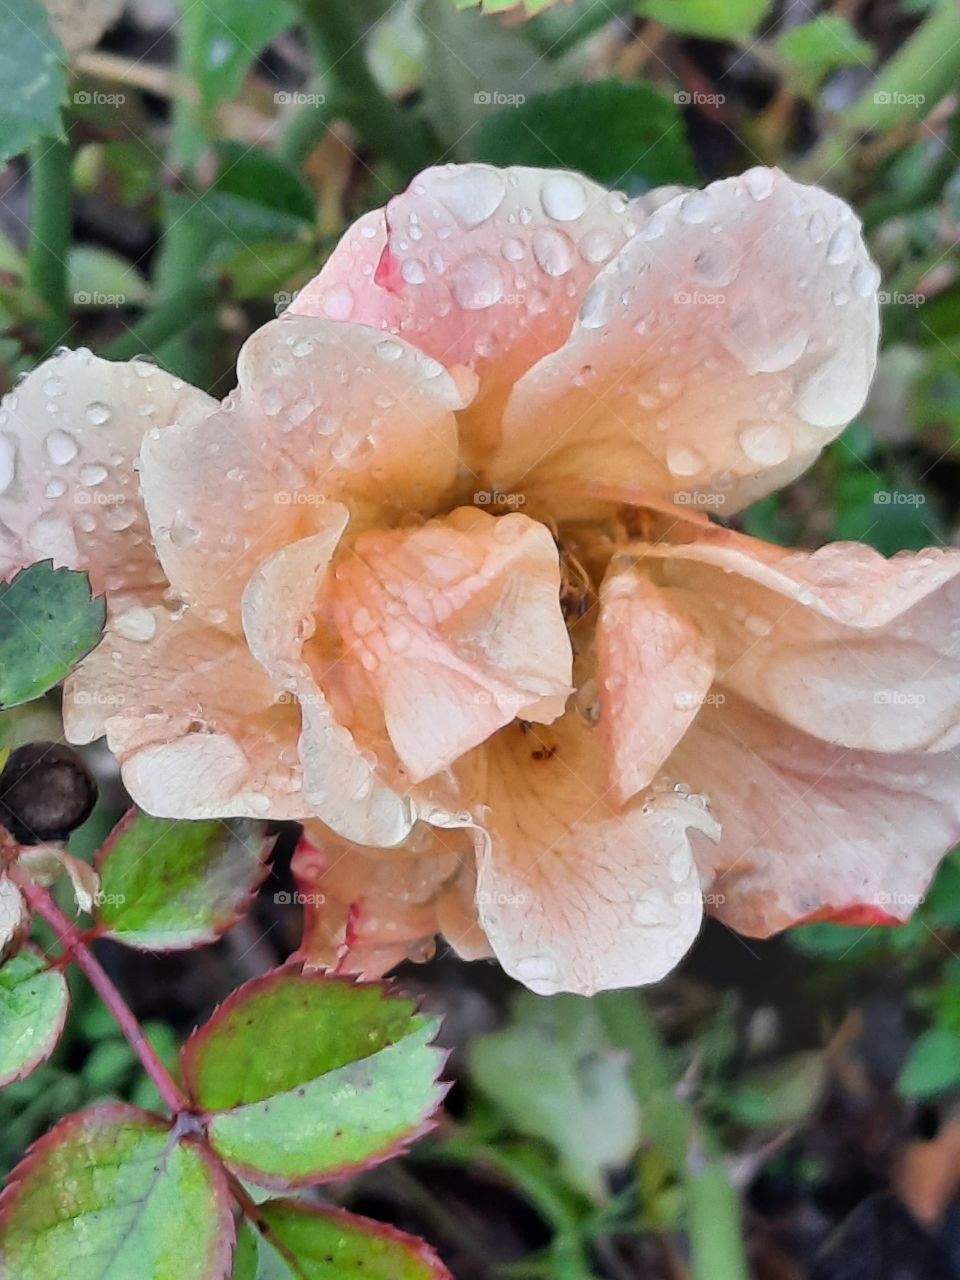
(137, 624)
(477, 284)
(841, 246)
(553, 251)
(765, 444)
(563, 197)
(61, 448)
(473, 194)
(413, 271)
(338, 302)
(97, 413)
(8, 463)
(684, 461)
(758, 182)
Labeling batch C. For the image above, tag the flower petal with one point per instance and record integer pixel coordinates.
(190, 717)
(481, 267)
(279, 616)
(655, 668)
(810, 829)
(850, 647)
(728, 342)
(573, 894)
(323, 411)
(366, 910)
(69, 438)
(459, 628)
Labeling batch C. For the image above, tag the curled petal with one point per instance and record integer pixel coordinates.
(714, 357)
(842, 643)
(655, 669)
(191, 718)
(323, 412)
(810, 830)
(479, 267)
(70, 436)
(574, 894)
(459, 628)
(279, 608)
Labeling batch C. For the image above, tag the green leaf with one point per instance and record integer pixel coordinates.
(33, 1009)
(112, 1192)
(32, 75)
(933, 1065)
(308, 1077)
(167, 886)
(99, 278)
(816, 48)
(780, 1095)
(644, 143)
(731, 20)
(303, 1242)
(225, 40)
(555, 1075)
(563, 27)
(48, 622)
(530, 7)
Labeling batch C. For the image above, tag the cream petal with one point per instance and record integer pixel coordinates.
(714, 357)
(655, 669)
(279, 617)
(574, 894)
(459, 628)
(810, 830)
(323, 411)
(853, 648)
(480, 267)
(70, 435)
(191, 718)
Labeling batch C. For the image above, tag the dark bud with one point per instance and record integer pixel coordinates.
(46, 791)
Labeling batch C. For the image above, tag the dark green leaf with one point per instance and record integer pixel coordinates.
(816, 48)
(111, 1192)
(167, 885)
(48, 622)
(308, 1077)
(32, 75)
(225, 39)
(642, 133)
(33, 1009)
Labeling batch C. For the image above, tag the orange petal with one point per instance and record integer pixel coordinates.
(191, 718)
(840, 642)
(655, 672)
(811, 830)
(574, 894)
(479, 267)
(323, 412)
(458, 625)
(729, 341)
(69, 439)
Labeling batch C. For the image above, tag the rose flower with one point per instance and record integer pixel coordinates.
(438, 579)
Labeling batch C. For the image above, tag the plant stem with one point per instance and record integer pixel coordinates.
(51, 218)
(164, 322)
(72, 940)
(906, 88)
(337, 48)
(713, 1207)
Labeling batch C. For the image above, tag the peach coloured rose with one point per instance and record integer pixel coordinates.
(436, 579)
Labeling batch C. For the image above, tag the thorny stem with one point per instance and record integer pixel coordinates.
(76, 947)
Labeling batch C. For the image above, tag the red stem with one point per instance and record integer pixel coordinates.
(73, 941)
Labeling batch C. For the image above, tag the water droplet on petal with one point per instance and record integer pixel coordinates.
(473, 194)
(61, 448)
(765, 444)
(596, 247)
(97, 413)
(553, 251)
(389, 350)
(93, 473)
(8, 463)
(841, 246)
(865, 280)
(758, 182)
(817, 228)
(563, 197)
(683, 461)
(338, 303)
(596, 307)
(694, 207)
(413, 271)
(137, 624)
(477, 284)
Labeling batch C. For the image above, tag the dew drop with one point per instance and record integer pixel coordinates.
(477, 284)
(61, 448)
(413, 271)
(473, 194)
(841, 246)
(8, 463)
(765, 444)
(758, 182)
(137, 624)
(682, 461)
(553, 251)
(97, 413)
(338, 302)
(563, 197)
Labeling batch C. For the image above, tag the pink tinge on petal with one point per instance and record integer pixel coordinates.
(459, 629)
(810, 829)
(70, 437)
(575, 893)
(851, 647)
(480, 267)
(655, 669)
(729, 341)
